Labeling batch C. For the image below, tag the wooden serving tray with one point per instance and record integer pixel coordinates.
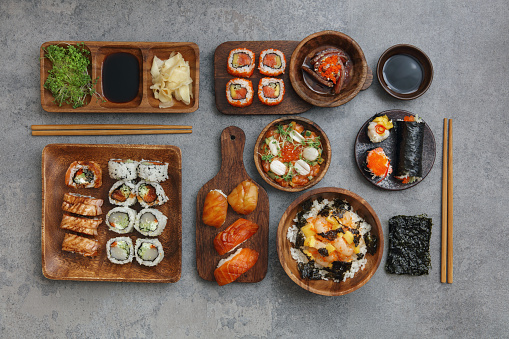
(232, 173)
(291, 103)
(144, 102)
(60, 265)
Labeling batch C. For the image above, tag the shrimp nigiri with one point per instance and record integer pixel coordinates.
(378, 163)
(230, 269)
(234, 235)
(215, 208)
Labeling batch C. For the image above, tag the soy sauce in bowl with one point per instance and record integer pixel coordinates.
(121, 77)
(403, 73)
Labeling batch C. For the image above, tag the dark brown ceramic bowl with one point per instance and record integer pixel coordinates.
(315, 42)
(308, 125)
(421, 57)
(329, 287)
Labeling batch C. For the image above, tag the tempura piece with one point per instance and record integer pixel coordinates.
(244, 198)
(215, 208)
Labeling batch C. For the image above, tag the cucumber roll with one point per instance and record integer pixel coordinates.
(150, 222)
(120, 250)
(149, 252)
(120, 169)
(150, 194)
(123, 193)
(410, 133)
(121, 219)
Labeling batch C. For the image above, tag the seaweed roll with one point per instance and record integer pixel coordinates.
(272, 62)
(149, 252)
(271, 91)
(121, 219)
(241, 62)
(120, 250)
(150, 222)
(239, 92)
(410, 146)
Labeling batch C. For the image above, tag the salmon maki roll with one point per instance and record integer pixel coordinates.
(241, 62)
(378, 164)
(244, 198)
(272, 62)
(84, 174)
(238, 232)
(215, 208)
(271, 91)
(239, 92)
(230, 269)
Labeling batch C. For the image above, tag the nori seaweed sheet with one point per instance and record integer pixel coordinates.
(409, 238)
(410, 145)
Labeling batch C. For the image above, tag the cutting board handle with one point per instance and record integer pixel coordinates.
(232, 149)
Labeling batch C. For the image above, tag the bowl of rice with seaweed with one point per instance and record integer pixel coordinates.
(330, 241)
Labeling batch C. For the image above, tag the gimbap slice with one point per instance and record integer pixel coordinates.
(241, 62)
(121, 219)
(271, 91)
(120, 250)
(150, 222)
(150, 194)
(84, 174)
(272, 62)
(123, 193)
(150, 170)
(239, 92)
(120, 169)
(149, 252)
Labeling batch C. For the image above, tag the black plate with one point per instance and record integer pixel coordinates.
(363, 145)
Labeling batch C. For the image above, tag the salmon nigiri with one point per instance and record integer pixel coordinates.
(234, 235)
(244, 198)
(228, 270)
(378, 163)
(215, 208)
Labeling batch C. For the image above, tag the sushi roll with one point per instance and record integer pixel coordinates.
(80, 224)
(230, 269)
(120, 250)
(148, 252)
(150, 170)
(378, 129)
(410, 147)
(121, 219)
(150, 194)
(120, 169)
(241, 62)
(81, 245)
(244, 198)
(271, 91)
(82, 204)
(215, 208)
(122, 193)
(84, 174)
(150, 222)
(239, 92)
(233, 236)
(272, 62)
(378, 164)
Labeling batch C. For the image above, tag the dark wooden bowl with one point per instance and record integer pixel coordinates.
(309, 125)
(421, 57)
(324, 287)
(308, 47)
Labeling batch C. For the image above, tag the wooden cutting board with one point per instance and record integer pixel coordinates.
(231, 173)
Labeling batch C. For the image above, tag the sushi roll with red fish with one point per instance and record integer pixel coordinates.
(230, 269)
(271, 91)
(272, 62)
(378, 164)
(84, 174)
(241, 62)
(239, 92)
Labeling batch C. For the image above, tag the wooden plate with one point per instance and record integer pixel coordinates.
(308, 125)
(325, 287)
(60, 265)
(291, 103)
(363, 145)
(231, 173)
(144, 102)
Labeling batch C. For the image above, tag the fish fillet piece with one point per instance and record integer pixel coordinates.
(80, 224)
(73, 198)
(215, 208)
(231, 268)
(244, 198)
(234, 235)
(82, 205)
(81, 245)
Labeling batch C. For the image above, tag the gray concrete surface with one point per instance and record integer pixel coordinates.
(468, 44)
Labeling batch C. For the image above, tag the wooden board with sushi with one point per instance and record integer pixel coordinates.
(95, 264)
(121, 74)
(291, 102)
(232, 210)
(382, 150)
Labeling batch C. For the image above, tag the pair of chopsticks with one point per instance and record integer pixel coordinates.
(447, 205)
(109, 129)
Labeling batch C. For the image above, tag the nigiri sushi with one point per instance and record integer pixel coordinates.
(244, 198)
(215, 208)
(230, 269)
(234, 235)
(378, 129)
(378, 163)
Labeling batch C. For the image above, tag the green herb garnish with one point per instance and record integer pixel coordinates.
(68, 80)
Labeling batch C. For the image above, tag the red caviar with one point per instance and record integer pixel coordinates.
(330, 68)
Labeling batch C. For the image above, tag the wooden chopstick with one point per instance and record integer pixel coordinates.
(105, 126)
(112, 132)
(449, 208)
(443, 270)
